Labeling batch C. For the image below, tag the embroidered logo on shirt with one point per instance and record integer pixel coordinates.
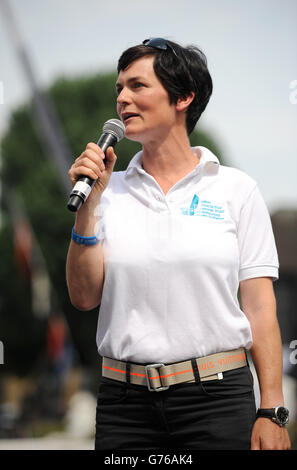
(204, 208)
(193, 206)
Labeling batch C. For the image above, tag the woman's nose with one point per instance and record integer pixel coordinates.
(123, 96)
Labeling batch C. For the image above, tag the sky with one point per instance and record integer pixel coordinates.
(251, 48)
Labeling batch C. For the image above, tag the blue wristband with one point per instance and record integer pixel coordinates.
(84, 240)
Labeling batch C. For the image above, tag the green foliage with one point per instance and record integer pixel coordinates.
(83, 105)
(22, 334)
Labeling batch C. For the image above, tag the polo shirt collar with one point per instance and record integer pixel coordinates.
(207, 158)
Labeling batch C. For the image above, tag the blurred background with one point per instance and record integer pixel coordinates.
(57, 76)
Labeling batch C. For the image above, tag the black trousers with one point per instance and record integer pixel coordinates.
(210, 415)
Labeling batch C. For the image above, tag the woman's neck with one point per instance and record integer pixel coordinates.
(170, 158)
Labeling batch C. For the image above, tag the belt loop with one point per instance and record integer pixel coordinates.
(246, 358)
(195, 370)
(128, 368)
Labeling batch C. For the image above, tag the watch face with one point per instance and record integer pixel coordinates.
(282, 415)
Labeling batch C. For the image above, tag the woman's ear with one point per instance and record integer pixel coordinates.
(184, 102)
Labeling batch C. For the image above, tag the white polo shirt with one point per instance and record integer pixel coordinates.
(173, 262)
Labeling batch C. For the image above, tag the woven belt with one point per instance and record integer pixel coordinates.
(158, 377)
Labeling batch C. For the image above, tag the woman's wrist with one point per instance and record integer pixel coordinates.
(86, 228)
(86, 221)
(271, 400)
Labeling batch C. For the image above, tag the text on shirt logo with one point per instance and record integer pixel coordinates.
(204, 209)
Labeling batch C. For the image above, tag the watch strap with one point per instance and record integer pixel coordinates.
(266, 413)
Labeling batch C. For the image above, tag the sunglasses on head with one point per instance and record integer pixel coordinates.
(158, 43)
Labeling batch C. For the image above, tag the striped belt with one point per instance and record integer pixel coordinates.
(158, 377)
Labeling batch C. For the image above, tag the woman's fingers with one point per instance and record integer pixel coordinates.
(95, 165)
(111, 159)
(89, 163)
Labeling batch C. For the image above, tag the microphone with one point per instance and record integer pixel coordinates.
(113, 132)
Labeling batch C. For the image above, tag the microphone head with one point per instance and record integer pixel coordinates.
(114, 127)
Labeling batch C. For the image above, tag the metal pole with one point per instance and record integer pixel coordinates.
(45, 116)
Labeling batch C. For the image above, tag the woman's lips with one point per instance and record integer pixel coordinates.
(128, 116)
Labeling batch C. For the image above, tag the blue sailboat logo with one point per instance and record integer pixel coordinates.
(191, 210)
(194, 204)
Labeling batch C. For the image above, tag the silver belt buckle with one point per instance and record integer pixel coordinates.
(155, 366)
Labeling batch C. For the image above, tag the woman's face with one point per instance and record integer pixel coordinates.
(143, 103)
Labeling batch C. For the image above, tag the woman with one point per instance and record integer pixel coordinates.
(178, 234)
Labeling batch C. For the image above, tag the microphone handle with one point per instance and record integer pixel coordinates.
(84, 185)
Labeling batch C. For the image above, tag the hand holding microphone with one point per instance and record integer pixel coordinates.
(94, 166)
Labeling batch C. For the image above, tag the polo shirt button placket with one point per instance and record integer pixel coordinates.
(160, 207)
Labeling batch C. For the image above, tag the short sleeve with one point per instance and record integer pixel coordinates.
(257, 249)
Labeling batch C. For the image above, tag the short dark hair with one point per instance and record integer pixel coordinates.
(180, 74)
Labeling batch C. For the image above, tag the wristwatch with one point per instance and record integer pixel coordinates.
(279, 414)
